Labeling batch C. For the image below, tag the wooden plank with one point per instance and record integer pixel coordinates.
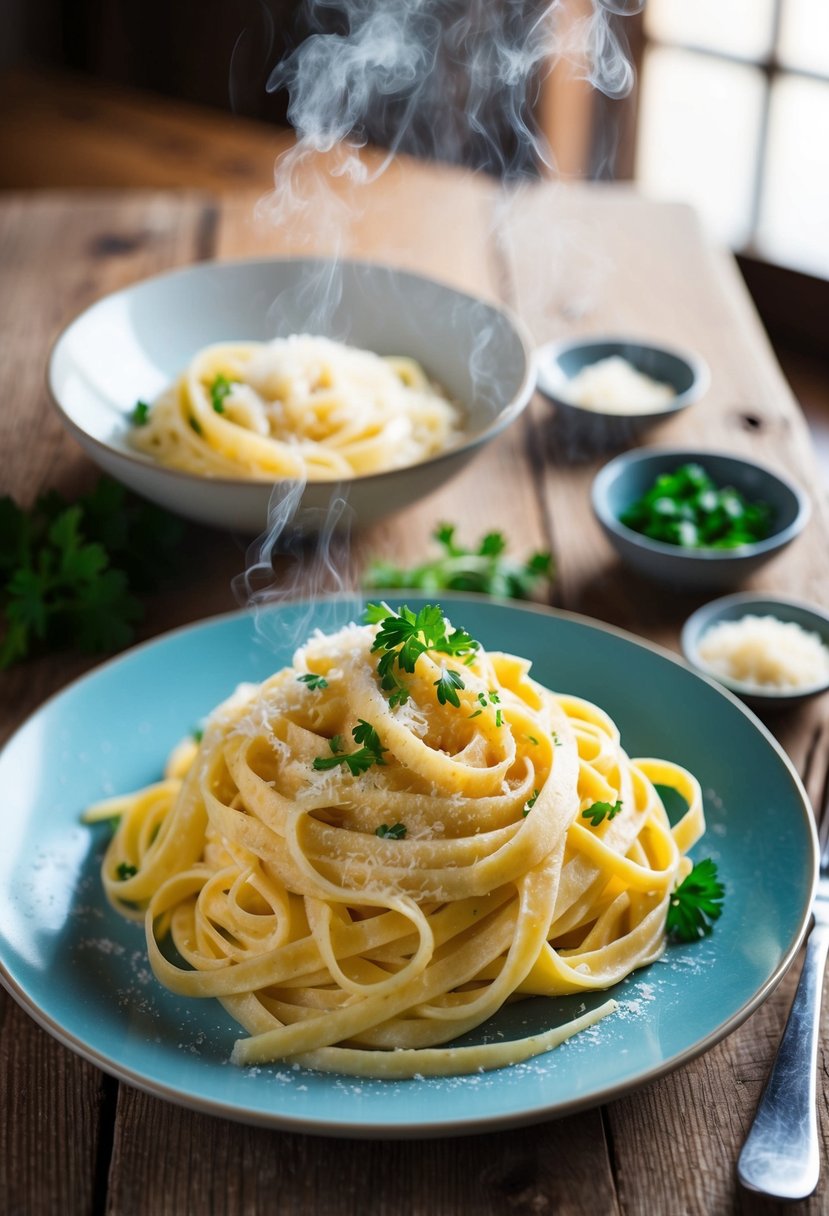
(171, 1166)
(51, 1142)
(69, 131)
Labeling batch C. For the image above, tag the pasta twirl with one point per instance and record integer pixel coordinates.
(360, 878)
(296, 407)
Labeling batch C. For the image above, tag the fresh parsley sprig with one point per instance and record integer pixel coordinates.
(404, 636)
(371, 751)
(599, 810)
(220, 389)
(696, 903)
(313, 680)
(485, 569)
(447, 685)
(140, 415)
(69, 571)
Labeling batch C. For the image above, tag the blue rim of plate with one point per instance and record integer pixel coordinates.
(80, 971)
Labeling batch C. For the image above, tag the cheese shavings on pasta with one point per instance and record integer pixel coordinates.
(296, 407)
(361, 921)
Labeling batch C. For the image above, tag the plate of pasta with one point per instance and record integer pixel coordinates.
(217, 389)
(400, 869)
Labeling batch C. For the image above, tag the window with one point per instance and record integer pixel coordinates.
(734, 118)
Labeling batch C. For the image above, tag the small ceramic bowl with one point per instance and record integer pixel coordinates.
(734, 608)
(595, 428)
(134, 343)
(627, 477)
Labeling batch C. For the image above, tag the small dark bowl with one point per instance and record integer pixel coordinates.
(596, 429)
(627, 477)
(734, 608)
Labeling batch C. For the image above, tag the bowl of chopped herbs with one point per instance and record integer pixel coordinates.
(696, 518)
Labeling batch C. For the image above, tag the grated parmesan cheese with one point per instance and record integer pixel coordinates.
(614, 386)
(764, 652)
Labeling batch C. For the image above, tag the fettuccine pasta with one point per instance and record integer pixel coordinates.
(363, 865)
(297, 407)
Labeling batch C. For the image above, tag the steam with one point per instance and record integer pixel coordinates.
(451, 80)
(447, 80)
(284, 566)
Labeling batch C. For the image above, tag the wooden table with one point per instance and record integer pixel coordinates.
(568, 259)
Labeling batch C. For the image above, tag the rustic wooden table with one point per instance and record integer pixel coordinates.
(73, 1140)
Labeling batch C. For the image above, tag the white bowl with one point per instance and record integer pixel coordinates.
(131, 345)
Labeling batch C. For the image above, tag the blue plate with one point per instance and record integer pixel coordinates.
(81, 971)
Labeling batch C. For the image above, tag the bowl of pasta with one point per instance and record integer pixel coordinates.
(223, 388)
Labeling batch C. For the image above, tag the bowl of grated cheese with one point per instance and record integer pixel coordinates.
(772, 652)
(608, 390)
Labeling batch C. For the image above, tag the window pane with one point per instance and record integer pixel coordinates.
(738, 27)
(793, 225)
(698, 136)
(804, 35)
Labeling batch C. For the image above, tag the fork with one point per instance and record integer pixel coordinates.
(781, 1156)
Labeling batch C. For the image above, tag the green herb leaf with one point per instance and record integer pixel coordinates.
(371, 751)
(599, 810)
(696, 903)
(68, 572)
(125, 870)
(484, 569)
(140, 415)
(220, 389)
(313, 680)
(530, 803)
(404, 636)
(447, 687)
(397, 831)
(686, 508)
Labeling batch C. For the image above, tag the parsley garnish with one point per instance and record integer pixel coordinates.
(125, 870)
(695, 903)
(196, 425)
(485, 569)
(447, 687)
(357, 762)
(686, 508)
(597, 812)
(140, 415)
(555, 738)
(396, 832)
(68, 572)
(532, 739)
(530, 803)
(197, 734)
(404, 636)
(313, 681)
(220, 389)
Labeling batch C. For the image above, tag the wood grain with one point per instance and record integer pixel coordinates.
(202, 1165)
(565, 260)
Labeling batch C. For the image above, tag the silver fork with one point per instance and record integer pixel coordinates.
(781, 1156)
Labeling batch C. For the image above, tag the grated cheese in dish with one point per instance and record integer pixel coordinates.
(764, 652)
(614, 386)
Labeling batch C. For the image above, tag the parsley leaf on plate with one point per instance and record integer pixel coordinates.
(696, 903)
